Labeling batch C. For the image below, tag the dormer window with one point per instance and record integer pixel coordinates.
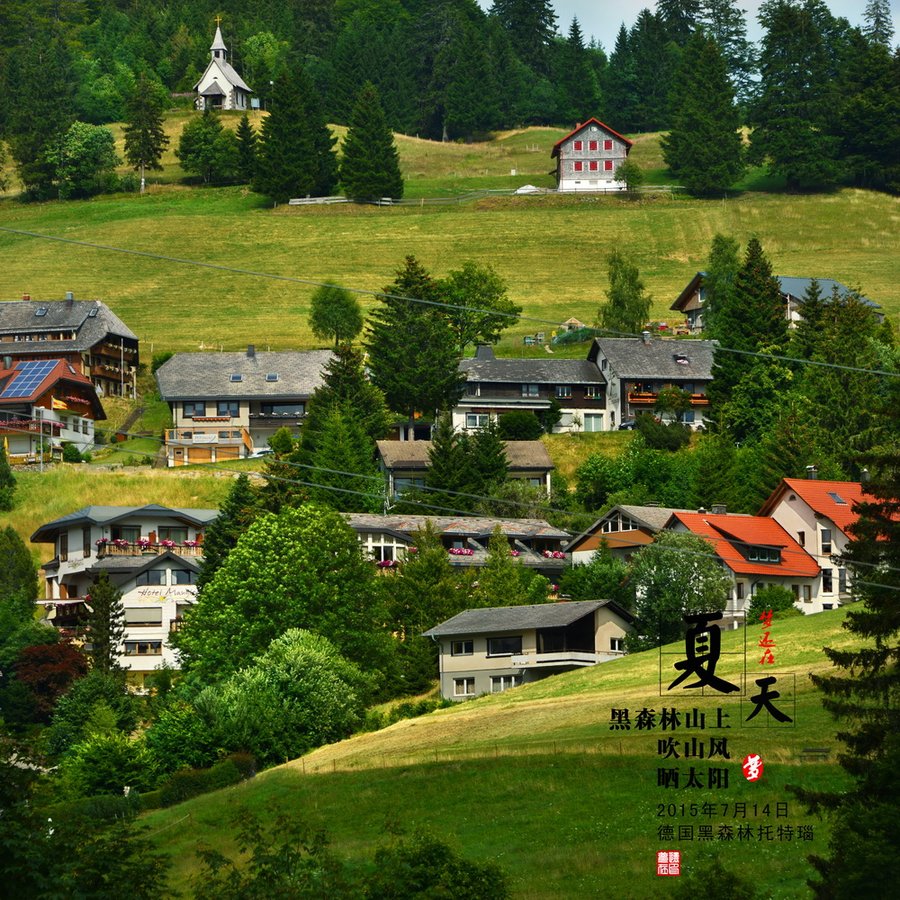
(764, 554)
(681, 359)
(272, 376)
(236, 378)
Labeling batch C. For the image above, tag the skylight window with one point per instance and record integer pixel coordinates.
(837, 498)
(681, 359)
(271, 376)
(41, 311)
(93, 312)
(236, 378)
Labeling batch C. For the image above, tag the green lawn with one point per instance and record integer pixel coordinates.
(537, 781)
(551, 250)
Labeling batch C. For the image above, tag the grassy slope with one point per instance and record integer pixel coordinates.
(551, 250)
(536, 780)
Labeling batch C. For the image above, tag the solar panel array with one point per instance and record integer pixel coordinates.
(28, 376)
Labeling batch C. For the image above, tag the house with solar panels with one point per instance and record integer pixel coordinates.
(220, 86)
(85, 333)
(44, 404)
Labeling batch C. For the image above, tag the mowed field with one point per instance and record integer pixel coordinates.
(551, 250)
(536, 780)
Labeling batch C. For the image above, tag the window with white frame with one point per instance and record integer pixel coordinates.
(463, 687)
(579, 166)
(607, 165)
(578, 145)
(842, 580)
(381, 547)
(184, 576)
(607, 145)
(143, 648)
(563, 391)
(477, 420)
(473, 388)
(827, 581)
(501, 683)
(192, 408)
(593, 391)
(593, 422)
(826, 541)
(505, 646)
(617, 644)
(462, 648)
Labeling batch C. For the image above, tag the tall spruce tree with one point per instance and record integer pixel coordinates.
(106, 624)
(488, 458)
(792, 111)
(680, 18)
(864, 694)
(619, 85)
(704, 148)
(718, 281)
(370, 167)
(144, 131)
(751, 319)
(576, 79)
(531, 26)
(296, 155)
(655, 63)
(879, 27)
(247, 140)
(413, 355)
(808, 331)
(724, 22)
(237, 512)
(450, 472)
(18, 582)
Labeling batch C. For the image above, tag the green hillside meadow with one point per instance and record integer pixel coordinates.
(536, 781)
(551, 250)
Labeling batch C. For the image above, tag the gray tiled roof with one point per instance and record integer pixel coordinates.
(102, 515)
(205, 376)
(633, 358)
(472, 526)
(539, 370)
(414, 455)
(520, 618)
(653, 518)
(19, 317)
(797, 287)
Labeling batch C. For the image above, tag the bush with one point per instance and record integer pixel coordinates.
(100, 808)
(658, 436)
(519, 425)
(190, 783)
(775, 597)
(71, 454)
(159, 359)
(106, 764)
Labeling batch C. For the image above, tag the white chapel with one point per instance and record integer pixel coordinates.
(221, 87)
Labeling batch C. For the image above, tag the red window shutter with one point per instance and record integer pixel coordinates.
(579, 166)
(607, 145)
(592, 145)
(607, 165)
(593, 165)
(578, 145)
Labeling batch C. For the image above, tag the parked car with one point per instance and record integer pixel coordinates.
(261, 451)
(628, 425)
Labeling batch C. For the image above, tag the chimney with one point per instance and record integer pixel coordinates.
(26, 297)
(812, 473)
(645, 337)
(7, 362)
(719, 509)
(251, 351)
(864, 476)
(70, 298)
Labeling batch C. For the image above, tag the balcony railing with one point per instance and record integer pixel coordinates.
(194, 436)
(33, 426)
(648, 398)
(574, 658)
(139, 548)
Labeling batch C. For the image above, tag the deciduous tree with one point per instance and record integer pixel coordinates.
(479, 309)
(208, 149)
(335, 314)
(628, 303)
(84, 160)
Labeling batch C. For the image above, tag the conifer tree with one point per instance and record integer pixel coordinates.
(413, 356)
(370, 168)
(791, 114)
(296, 155)
(751, 319)
(879, 27)
(576, 80)
(237, 511)
(703, 148)
(864, 693)
(246, 142)
(504, 581)
(680, 18)
(18, 582)
(655, 63)
(344, 469)
(724, 22)
(488, 458)
(145, 136)
(7, 481)
(106, 624)
(620, 82)
(344, 382)
(450, 472)
(718, 281)
(531, 26)
(808, 331)
(208, 149)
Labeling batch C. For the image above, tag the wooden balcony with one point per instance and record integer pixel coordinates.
(142, 548)
(188, 437)
(648, 398)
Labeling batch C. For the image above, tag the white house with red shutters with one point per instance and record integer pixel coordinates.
(588, 158)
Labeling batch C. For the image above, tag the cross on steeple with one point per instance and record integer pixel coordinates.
(218, 21)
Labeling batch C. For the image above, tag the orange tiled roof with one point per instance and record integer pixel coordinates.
(818, 496)
(732, 536)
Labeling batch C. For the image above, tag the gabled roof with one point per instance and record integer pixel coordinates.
(592, 121)
(522, 455)
(687, 360)
(456, 526)
(214, 90)
(792, 287)
(228, 73)
(208, 376)
(123, 568)
(522, 618)
(823, 497)
(91, 320)
(109, 515)
(732, 537)
(485, 367)
(29, 380)
(652, 518)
